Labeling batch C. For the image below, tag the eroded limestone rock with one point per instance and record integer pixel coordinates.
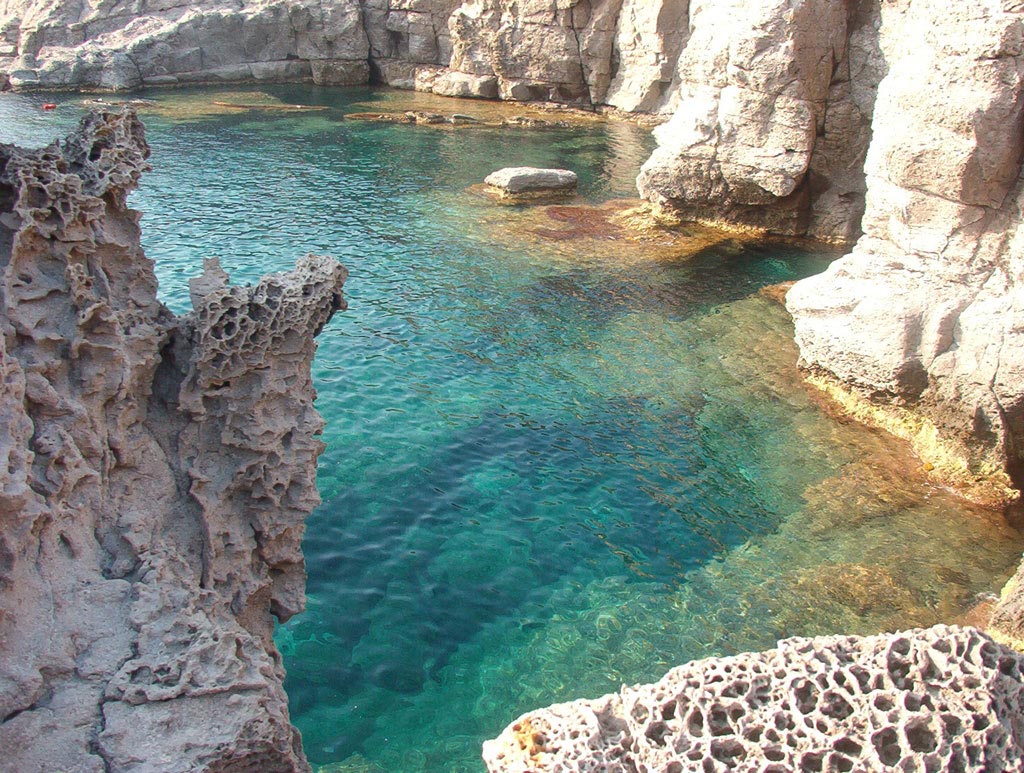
(927, 310)
(942, 698)
(157, 473)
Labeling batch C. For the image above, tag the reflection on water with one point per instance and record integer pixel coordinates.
(560, 456)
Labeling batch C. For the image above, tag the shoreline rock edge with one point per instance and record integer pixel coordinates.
(942, 698)
(157, 471)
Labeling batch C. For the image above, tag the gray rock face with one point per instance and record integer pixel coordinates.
(157, 471)
(577, 52)
(936, 699)
(123, 45)
(519, 180)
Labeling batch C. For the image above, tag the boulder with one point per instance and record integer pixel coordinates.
(530, 180)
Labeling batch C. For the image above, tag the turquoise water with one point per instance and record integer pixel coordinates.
(554, 465)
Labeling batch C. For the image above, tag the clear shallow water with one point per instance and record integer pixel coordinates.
(554, 465)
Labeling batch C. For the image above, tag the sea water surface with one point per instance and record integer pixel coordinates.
(557, 460)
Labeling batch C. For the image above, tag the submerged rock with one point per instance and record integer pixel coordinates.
(156, 474)
(529, 180)
(942, 698)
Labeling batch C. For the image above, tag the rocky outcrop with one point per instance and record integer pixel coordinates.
(755, 90)
(927, 312)
(772, 109)
(539, 49)
(770, 105)
(936, 699)
(118, 45)
(157, 471)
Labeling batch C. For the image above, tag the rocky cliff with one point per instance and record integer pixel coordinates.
(927, 312)
(771, 103)
(156, 474)
(897, 123)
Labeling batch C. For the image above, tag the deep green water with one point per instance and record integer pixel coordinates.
(551, 469)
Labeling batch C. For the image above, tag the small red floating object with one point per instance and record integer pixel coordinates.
(49, 106)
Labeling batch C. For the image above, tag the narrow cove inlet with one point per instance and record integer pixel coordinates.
(562, 455)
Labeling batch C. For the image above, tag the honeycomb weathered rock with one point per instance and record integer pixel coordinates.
(937, 699)
(155, 475)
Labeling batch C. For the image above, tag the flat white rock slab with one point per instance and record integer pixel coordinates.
(530, 179)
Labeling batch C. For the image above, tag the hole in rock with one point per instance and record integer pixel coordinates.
(887, 746)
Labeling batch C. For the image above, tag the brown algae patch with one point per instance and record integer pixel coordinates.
(621, 231)
(188, 105)
(946, 462)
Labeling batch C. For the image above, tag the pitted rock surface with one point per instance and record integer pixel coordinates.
(939, 699)
(156, 474)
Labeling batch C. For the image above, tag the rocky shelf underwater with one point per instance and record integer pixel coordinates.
(562, 454)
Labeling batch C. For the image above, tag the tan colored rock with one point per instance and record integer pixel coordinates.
(754, 89)
(648, 39)
(942, 698)
(158, 471)
(1007, 623)
(118, 47)
(541, 49)
(926, 311)
(836, 173)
